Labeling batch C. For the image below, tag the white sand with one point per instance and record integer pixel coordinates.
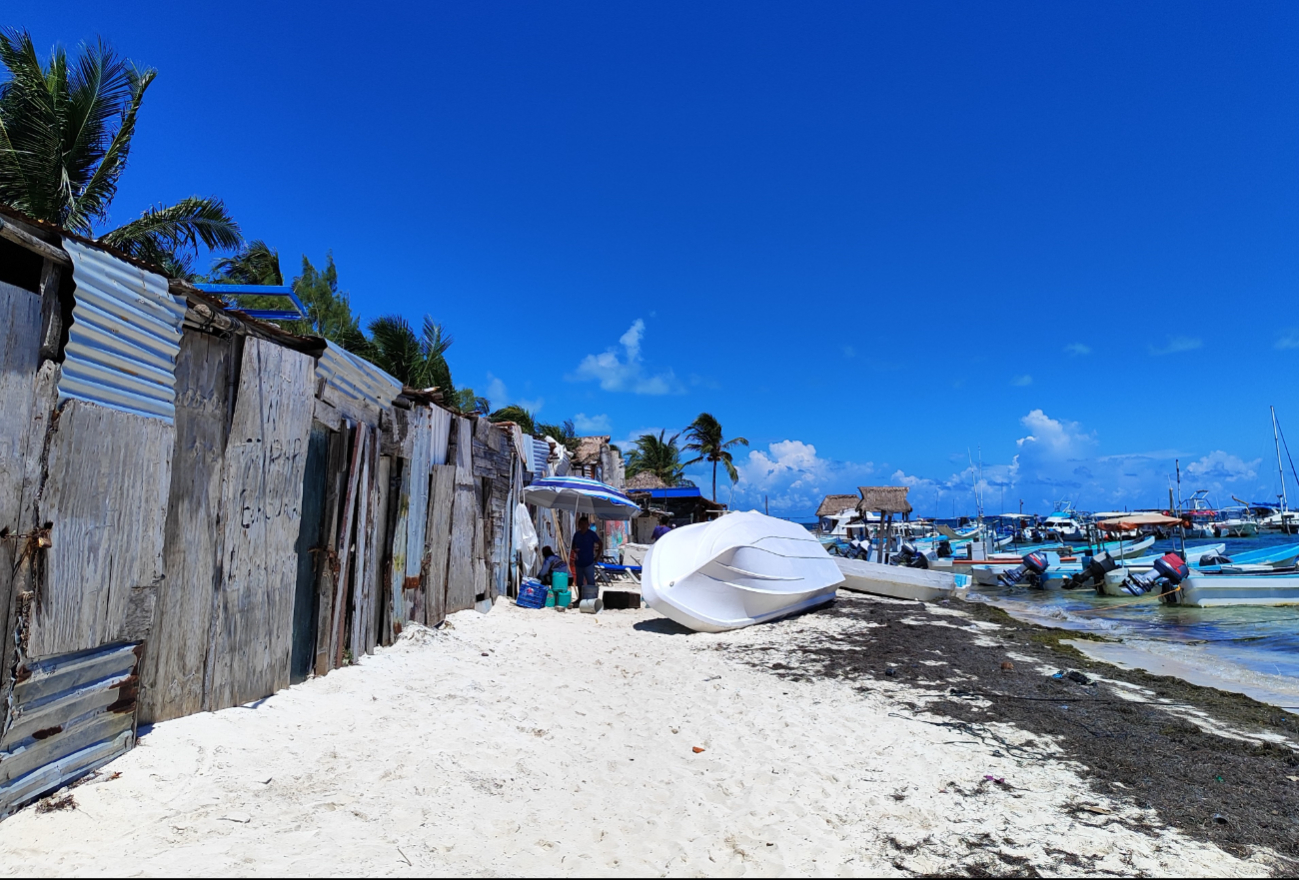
(568, 750)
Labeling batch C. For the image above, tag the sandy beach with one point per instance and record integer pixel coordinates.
(543, 743)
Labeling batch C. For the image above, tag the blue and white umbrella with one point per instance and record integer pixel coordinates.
(580, 495)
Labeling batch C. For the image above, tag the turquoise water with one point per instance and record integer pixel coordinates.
(1250, 649)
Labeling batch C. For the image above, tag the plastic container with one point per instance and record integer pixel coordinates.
(559, 580)
(561, 598)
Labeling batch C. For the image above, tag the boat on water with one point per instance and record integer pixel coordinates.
(1264, 561)
(988, 572)
(1210, 590)
(737, 570)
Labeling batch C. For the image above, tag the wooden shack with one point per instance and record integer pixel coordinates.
(197, 508)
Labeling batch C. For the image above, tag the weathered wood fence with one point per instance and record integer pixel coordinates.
(197, 509)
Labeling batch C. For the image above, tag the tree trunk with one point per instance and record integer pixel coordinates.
(714, 481)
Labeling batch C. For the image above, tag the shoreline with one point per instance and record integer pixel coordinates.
(537, 742)
(1129, 651)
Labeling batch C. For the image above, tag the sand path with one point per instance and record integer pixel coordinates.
(539, 743)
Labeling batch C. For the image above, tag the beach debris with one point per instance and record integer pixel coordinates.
(1221, 819)
(1095, 808)
(1075, 675)
(697, 750)
(1059, 676)
(995, 780)
(241, 818)
(50, 805)
(1007, 666)
(892, 670)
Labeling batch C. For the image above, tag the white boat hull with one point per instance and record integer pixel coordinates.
(738, 570)
(1219, 590)
(923, 585)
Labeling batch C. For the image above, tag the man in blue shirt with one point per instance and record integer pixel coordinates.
(586, 550)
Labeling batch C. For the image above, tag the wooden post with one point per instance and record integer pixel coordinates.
(51, 311)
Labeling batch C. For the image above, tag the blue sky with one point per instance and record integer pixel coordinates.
(873, 238)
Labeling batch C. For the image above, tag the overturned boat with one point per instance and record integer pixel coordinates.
(901, 582)
(738, 570)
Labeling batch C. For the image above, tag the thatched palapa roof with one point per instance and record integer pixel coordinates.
(644, 480)
(833, 504)
(588, 450)
(883, 499)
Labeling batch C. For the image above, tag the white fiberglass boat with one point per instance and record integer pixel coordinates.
(738, 570)
(1217, 590)
(899, 582)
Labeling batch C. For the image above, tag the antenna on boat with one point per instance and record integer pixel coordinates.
(1276, 438)
(1181, 526)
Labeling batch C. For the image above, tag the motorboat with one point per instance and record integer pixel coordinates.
(1206, 590)
(737, 570)
(1267, 560)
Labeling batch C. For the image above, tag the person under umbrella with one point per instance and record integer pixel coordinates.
(587, 547)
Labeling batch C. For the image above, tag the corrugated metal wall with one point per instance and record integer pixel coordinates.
(355, 377)
(441, 420)
(125, 334)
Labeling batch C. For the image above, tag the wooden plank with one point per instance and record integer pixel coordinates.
(107, 480)
(20, 438)
(261, 514)
(438, 543)
(380, 630)
(22, 234)
(421, 474)
(311, 540)
(327, 559)
(399, 611)
(172, 672)
(342, 593)
(51, 310)
(360, 578)
(464, 522)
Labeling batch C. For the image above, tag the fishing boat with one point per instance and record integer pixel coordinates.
(737, 570)
(1063, 522)
(1208, 590)
(1267, 560)
(988, 572)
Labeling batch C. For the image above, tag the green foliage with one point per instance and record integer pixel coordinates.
(516, 414)
(565, 434)
(658, 456)
(329, 310)
(255, 263)
(467, 401)
(65, 135)
(707, 442)
(417, 361)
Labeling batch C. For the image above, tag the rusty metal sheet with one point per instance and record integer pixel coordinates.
(67, 716)
(125, 335)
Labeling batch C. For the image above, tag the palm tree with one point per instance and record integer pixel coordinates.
(566, 434)
(706, 441)
(417, 361)
(656, 456)
(516, 414)
(65, 134)
(255, 263)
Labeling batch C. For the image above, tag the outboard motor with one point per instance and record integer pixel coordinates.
(1032, 566)
(1169, 571)
(1093, 574)
(910, 556)
(944, 549)
(1214, 559)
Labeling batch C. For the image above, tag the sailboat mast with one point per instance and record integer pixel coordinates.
(1279, 470)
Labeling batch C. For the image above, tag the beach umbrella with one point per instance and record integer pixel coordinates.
(580, 495)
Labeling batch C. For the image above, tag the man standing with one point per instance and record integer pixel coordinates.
(586, 550)
(661, 529)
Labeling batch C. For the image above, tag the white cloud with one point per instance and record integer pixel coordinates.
(1075, 349)
(1288, 341)
(1223, 467)
(1052, 436)
(591, 424)
(1176, 345)
(790, 473)
(499, 396)
(1021, 381)
(624, 370)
